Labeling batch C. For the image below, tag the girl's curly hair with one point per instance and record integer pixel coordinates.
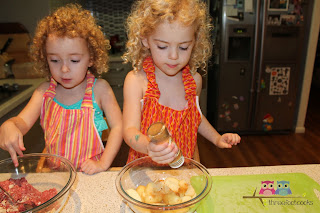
(146, 15)
(71, 21)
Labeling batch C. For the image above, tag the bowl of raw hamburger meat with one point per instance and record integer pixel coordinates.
(146, 186)
(41, 183)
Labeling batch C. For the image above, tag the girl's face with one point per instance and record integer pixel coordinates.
(171, 46)
(68, 60)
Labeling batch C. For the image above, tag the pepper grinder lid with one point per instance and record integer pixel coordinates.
(158, 132)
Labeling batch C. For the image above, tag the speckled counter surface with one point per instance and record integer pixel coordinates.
(21, 97)
(97, 193)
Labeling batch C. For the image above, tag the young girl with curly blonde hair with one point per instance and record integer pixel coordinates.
(168, 41)
(70, 49)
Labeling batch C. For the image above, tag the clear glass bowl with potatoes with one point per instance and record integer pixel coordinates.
(148, 187)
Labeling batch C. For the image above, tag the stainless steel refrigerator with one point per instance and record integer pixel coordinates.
(254, 78)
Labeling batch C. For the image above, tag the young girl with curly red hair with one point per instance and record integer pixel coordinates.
(70, 48)
(168, 41)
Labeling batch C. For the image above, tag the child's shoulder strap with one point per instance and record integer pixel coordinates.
(87, 99)
(190, 85)
(152, 90)
(51, 91)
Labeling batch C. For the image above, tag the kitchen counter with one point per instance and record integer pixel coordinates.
(21, 97)
(97, 193)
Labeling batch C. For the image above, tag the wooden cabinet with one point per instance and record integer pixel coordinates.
(116, 75)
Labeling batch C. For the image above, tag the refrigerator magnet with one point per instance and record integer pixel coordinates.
(235, 124)
(236, 106)
(278, 5)
(288, 19)
(228, 118)
(274, 19)
(263, 84)
(268, 119)
(267, 122)
(279, 100)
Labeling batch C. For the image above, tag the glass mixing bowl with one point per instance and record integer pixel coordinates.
(43, 172)
(143, 171)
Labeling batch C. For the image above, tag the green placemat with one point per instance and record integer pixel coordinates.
(241, 194)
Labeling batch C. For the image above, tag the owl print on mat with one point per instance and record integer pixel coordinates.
(283, 188)
(267, 188)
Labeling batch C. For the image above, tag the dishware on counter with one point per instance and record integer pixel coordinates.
(44, 172)
(143, 171)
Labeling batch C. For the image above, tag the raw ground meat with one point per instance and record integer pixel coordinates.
(24, 193)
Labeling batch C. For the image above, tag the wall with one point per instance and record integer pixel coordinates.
(313, 39)
(27, 12)
(111, 15)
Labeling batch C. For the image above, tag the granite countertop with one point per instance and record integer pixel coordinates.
(21, 97)
(97, 193)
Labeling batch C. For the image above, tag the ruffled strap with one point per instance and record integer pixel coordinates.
(87, 99)
(51, 91)
(152, 90)
(190, 85)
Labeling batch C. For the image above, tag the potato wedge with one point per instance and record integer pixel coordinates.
(172, 183)
(134, 194)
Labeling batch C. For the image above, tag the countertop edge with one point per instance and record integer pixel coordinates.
(20, 98)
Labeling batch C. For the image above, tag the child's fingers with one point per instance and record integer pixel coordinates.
(161, 150)
(90, 167)
(225, 145)
(232, 138)
(85, 167)
(165, 156)
(21, 145)
(154, 147)
(235, 139)
(14, 158)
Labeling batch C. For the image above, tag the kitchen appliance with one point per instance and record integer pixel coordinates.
(8, 91)
(5, 60)
(255, 75)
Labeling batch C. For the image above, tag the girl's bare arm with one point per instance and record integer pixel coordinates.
(209, 132)
(133, 93)
(12, 130)
(113, 114)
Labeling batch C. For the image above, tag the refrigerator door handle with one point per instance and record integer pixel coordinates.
(256, 53)
(258, 62)
(263, 29)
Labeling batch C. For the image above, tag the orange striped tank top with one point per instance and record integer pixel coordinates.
(182, 124)
(71, 133)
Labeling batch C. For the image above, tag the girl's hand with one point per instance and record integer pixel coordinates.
(162, 153)
(11, 140)
(227, 140)
(91, 167)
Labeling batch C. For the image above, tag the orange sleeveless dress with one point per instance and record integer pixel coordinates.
(182, 124)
